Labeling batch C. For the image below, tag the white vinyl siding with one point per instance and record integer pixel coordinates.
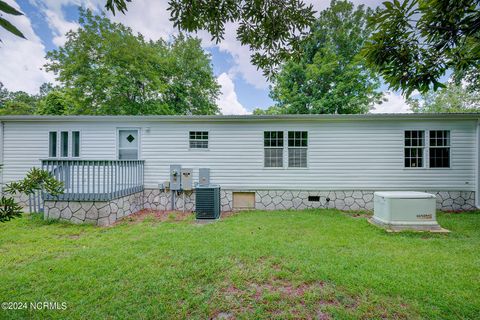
(342, 155)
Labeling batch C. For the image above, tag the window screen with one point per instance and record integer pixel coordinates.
(414, 148)
(75, 144)
(297, 149)
(52, 144)
(439, 149)
(198, 139)
(273, 145)
(128, 144)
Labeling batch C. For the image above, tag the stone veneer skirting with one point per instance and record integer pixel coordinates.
(107, 212)
(282, 200)
(100, 213)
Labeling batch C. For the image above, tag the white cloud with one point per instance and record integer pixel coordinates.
(59, 26)
(395, 104)
(22, 60)
(228, 100)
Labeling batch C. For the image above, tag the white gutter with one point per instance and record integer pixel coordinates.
(247, 118)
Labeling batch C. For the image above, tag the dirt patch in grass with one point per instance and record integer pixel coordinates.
(165, 216)
(280, 296)
(359, 214)
(157, 216)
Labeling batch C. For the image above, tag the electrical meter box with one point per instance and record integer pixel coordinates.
(175, 177)
(204, 176)
(187, 179)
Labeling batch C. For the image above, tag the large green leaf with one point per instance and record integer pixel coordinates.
(11, 28)
(5, 7)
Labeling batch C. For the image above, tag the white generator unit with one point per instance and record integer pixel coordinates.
(403, 210)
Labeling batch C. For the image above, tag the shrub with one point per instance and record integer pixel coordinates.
(9, 209)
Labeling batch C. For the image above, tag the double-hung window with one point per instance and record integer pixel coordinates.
(418, 142)
(439, 149)
(198, 139)
(273, 149)
(297, 149)
(414, 148)
(64, 144)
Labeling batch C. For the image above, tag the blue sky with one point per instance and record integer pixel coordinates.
(46, 21)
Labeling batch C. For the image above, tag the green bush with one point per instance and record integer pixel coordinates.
(9, 209)
(35, 180)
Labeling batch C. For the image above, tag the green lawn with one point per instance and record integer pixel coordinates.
(320, 264)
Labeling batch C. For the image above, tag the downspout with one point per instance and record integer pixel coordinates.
(1, 156)
(477, 167)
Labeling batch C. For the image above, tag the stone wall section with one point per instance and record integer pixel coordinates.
(100, 213)
(107, 212)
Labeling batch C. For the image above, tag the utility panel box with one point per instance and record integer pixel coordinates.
(175, 177)
(187, 179)
(204, 176)
(401, 210)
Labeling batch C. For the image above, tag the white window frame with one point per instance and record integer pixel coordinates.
(298, 147)
(199, 149)
(69, 142)
(434, 147)
(138, 145)
(426, 149)
(282, 147)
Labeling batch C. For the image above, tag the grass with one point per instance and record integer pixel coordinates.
(320, 264)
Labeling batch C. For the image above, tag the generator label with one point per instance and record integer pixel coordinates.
(424, 216)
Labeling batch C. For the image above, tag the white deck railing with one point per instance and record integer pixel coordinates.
(96, 180)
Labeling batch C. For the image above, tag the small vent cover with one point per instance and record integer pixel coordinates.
(314, 198)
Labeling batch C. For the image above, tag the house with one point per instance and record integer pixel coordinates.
(113, 166)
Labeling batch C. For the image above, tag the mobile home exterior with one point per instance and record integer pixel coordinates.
(264, 162)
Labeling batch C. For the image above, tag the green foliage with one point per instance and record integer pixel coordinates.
(36, 180)
(272, 110)
(106, 69)
(17, 102)
(119, 5)
(331, 77)
(16, 108)
(9, 209)
(272, 29)
(416, 41)
(5, 8)
(452, 98)
(55, 103)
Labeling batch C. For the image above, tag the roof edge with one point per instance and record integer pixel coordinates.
(303, 117)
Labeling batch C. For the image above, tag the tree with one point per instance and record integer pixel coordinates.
(5, 24)
(273, 29)
(452, 98)
(16, 102)
(415, 42)
(106, 69)
(56, 102)
(331, 77)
